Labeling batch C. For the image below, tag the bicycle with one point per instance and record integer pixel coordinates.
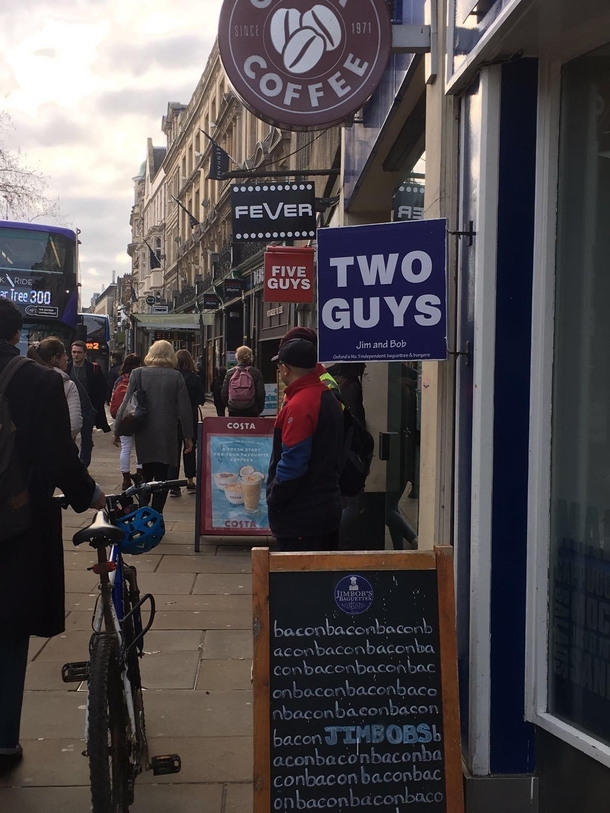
(115, 730)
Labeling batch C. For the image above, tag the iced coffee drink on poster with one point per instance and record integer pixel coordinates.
(251, 486)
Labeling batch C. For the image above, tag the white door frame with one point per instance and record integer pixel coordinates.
(483, 360)
(543, 313)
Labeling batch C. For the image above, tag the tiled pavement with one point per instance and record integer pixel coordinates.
(197, 672)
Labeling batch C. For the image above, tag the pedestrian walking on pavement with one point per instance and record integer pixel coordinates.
(167, 406)
(303, 495)
(113, 374)
(249, 402)
(91, 384)
(50, 352)
(125, 442)
(200, 367)
(196, 393)
(32, 573)
(216, 390)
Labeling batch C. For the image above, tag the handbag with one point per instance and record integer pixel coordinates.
(134, 413)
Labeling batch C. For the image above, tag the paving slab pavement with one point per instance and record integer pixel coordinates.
(198, 697)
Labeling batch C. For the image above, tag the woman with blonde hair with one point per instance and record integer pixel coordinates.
(243, 389)
(167, 409)
(50, 352)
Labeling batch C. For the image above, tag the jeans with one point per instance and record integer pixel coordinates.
(156, 471)
(13, 663)
(86, 436)
(127, 443)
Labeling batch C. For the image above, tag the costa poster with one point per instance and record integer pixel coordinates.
(235, 457)
(382, 292)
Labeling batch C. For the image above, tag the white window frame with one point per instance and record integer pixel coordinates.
(587, 38)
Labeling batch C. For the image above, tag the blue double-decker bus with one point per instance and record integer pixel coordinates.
(39, 274)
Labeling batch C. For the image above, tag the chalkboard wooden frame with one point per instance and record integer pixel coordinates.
(441, 560)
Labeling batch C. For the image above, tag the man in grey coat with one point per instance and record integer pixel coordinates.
(167, 405)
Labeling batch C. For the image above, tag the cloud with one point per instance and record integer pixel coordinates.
(150, 102)
(54, 126)
(86, 84)
(50, 52)
(172, 53)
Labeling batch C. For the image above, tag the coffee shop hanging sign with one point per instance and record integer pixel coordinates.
(304, 64)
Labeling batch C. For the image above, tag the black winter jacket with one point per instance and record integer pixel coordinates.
(32, 572)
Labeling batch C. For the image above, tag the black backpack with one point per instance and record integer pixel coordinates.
(356, 454)
(15, 507)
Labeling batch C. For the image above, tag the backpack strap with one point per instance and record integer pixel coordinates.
(9, 371)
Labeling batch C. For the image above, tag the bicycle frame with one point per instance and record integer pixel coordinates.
(107, 620)
(118, 633)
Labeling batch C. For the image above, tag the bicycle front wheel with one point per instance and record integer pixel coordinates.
(107, 743)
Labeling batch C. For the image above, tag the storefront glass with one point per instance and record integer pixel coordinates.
(579, 611)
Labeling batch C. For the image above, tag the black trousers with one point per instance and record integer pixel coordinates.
(156, 471)
(189, 460)
(329, 541)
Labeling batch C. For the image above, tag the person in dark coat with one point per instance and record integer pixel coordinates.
(113, 374)
(244, 361)
(32, 572)
(348, 376)
(216, 390)
(91, 383)
(196, 394)
(402, 533)
(201, 371)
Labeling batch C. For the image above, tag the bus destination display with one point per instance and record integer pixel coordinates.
(355, 691)
(34, 294)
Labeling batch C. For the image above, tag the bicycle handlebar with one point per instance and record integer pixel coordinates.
(149, 488)
(142, 490)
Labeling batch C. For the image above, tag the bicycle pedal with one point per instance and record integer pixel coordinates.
(75, 672)
(166, 764)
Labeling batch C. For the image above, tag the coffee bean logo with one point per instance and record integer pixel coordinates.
(284, 23)
(303, 51)
(325, 22)
(302, 40)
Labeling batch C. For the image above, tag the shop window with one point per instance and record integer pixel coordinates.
(579, 610)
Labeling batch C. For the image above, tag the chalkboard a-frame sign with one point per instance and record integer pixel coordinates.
(355, 683)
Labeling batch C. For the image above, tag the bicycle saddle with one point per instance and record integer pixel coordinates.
(99, 533)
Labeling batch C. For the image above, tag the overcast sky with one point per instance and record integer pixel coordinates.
(86, 82)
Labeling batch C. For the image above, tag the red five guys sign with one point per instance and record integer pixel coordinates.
(304, 64)
(288, 274)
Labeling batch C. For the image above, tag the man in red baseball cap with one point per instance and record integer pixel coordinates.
(303, 495)
(310, 335)
(307, 333)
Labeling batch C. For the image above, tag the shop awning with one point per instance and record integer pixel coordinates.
(168, 321)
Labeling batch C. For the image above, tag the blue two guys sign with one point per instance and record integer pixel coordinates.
(382, 292)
